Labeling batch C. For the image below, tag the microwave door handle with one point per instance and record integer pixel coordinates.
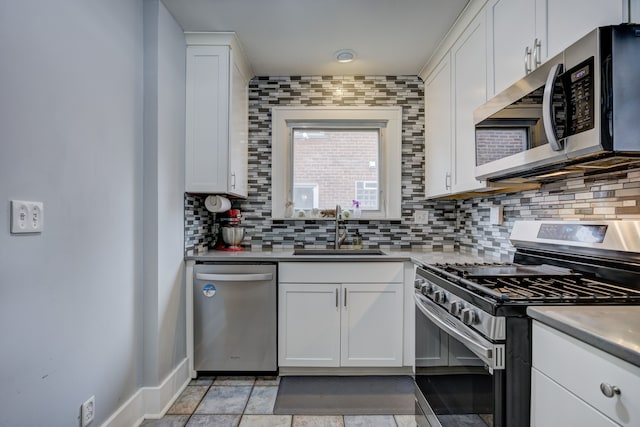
(527, 60)
(548, 118)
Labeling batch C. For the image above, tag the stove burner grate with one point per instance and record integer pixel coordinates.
(534, 284)
(577, 289)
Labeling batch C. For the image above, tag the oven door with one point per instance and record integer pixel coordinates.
(459, 374)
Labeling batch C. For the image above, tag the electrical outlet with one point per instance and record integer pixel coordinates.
(36, 216)
(421, 217)
(496, 215)
(27, 217)
(87, 411)
(19, 217)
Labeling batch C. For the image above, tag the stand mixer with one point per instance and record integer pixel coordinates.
(232, 233)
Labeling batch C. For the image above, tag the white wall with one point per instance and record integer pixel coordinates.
(71, 135)
(164, 296)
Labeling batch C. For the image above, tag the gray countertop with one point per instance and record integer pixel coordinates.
(613, 329)
(416, 256)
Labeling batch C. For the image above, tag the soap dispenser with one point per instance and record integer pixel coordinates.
(357, 241)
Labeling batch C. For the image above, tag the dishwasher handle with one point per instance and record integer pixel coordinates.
(250, 277)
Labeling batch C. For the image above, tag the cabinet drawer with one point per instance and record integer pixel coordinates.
(553, 406)
(341, 272)
(581, 368)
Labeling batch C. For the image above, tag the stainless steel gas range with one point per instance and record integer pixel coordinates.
(473, 337)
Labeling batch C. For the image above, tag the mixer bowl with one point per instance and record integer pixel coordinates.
(232, 236)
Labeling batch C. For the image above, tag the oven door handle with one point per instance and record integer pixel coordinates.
(489, 353)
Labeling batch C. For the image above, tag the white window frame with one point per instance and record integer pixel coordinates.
(390, 152)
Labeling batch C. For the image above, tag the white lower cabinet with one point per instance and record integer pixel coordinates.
(556, 406)
(309, 325)
(340, 315)
(371, 324)
(567, 380)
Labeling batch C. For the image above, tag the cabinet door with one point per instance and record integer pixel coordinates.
(309, 325)
(238, 149)
(432, 343)
(207, 119)
(568, 20)
(438, 130)
(459, 355)
(371, 325)
(469, 64)
(511, 30)
(554, 406)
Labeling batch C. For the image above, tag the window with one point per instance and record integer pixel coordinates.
(328, 156)
(335, 160)
(367, 194)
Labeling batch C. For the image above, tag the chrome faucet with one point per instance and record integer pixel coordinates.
(341, 231)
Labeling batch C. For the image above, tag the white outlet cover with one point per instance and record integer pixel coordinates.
(496, 215)
(27, 217)
(19, 217)
(88, 411)
(36, 216)
(421, 217)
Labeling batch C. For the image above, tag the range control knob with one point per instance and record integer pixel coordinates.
(469, 316)
(418, 283)
(455, 308)
(426, 289)
(439, 297)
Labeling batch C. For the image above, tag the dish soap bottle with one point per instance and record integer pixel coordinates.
(357, 241)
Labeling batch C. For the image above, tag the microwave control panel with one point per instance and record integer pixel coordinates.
(579, 84)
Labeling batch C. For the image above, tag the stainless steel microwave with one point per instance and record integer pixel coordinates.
(580, 110)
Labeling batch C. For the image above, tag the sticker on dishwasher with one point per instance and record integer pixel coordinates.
(209, 290)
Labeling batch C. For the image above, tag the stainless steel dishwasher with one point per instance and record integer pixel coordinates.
(235, 315)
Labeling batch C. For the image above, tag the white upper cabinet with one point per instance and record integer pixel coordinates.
(455, 87)
(511, 36)
(469, 65)
(216, 115)
(438, 140)
(525, 33)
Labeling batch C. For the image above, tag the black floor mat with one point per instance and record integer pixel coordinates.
(335, 395)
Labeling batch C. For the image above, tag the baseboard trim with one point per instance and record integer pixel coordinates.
(151, 402)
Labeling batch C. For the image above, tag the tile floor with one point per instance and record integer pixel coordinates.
(248, 402)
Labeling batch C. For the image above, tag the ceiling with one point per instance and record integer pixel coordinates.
(301, 37)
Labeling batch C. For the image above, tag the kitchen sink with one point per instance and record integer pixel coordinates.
(345, 251)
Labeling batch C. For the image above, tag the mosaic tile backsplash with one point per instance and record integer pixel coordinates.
(452, 224)
(197, 224)
(404, 91)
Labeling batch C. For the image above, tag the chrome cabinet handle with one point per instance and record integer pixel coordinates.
(527, 60)
(233, 180)
(609, 390)
(345, 297)
(537, 52)
(337, 297)
(447, 181)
